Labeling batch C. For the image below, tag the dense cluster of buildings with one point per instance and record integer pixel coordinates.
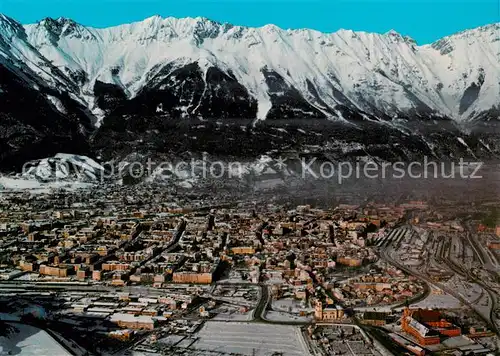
(323, 263)
(388, 287)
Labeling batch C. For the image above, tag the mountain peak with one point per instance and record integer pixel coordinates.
(169, 20)
(490, 33)
(484, 34)
(60, 21)
(205, 19)
(154, 18)
(65, 20)
(393, 32)
(62, 27)
(397, 37)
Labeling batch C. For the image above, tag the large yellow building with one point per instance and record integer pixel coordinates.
(328, 314)
(242, 250)
(190, 277)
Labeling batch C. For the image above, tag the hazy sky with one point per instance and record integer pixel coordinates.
(424, 20)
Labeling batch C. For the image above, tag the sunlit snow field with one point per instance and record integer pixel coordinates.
(251, 339)
(30, 341)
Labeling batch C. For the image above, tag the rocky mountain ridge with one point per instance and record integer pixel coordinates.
(174, 85)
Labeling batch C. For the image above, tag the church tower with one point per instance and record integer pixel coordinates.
(318, 310)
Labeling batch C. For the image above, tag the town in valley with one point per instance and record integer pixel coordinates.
(144, 271)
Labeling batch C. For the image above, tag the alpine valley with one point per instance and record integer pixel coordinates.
(170, 86)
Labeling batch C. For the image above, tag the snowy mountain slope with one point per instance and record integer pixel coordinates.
(38, 111)
(167, 86)
(385, 75)
(18, 55)
(62, 167)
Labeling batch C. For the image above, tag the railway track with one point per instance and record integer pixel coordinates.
(469, 276)
(491, 324)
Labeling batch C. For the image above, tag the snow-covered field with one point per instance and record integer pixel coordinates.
(285, 317)
(443, 301)
(63, 171)
(290, 306)
(30, 341)
(251, 339)
(143, 353)
(18, 183)
(469, 291)
(34, 186)
(288, 309)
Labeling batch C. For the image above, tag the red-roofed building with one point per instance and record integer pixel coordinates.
(427, 326)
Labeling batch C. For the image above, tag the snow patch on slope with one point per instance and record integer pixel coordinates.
(64, 167)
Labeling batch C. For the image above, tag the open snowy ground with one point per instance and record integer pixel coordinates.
(30, 341)
(438, 301)
(34, 186)
(286, 317)
(289, 305)
(251, 339)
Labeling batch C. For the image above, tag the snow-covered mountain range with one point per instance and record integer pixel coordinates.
(457, 77)
(195, 68)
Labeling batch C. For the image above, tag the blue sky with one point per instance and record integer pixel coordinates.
(424, 20)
